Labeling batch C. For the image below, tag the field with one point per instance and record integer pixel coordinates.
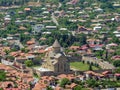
(81, 66)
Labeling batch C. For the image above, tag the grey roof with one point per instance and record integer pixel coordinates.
(56, 44)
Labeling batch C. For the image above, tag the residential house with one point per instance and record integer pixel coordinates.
(74, 48)
(98, 10)
(84, 30)
(51, 27)
(91, 74)
(94, 41)
(117, 33)
(117, 18)
(18, 22)
(96, 28)
(37, 28)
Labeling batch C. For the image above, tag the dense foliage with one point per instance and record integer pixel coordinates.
(2, 76)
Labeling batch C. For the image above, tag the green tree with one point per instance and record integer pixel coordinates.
(92, 83)
(117, 70)
(90, 67)
(2, 76)
(24, 50)
(78, 87)
(116, 63)
(28, 63)
(1, 88)
(49, 88)
(64, 82)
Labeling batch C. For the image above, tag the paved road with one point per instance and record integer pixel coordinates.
(54, 19)
(100, 62)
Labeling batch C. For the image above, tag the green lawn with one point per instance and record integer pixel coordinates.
(85, 89)
(81, 66)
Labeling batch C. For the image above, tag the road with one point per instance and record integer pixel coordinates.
(53, 16)
(54, 19)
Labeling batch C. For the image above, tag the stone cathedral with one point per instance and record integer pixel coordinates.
(56, 60)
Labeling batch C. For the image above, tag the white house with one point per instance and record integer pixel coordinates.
(51, 27)
(96, 28)
(117, 33)
(37, 28)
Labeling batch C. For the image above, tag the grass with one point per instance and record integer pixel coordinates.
(85, 89)
(81, 66)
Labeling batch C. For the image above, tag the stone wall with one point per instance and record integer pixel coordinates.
(6, 62)
(74, 58)
(51, 73)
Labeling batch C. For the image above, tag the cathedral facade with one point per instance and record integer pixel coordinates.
(56, 60)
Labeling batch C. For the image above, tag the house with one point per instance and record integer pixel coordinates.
(51, 27)
(117, 33)
(96, 28)
(22, 28)
(117, 18)
(117, 57)
(46, 32)
(18, 22)
(7, 19)
(63, 29)
(84, 30)
(91, 74)
(74, 48)
(108, 74)
(37, 28)
(30, 42)
(22, 80)
(27, 9)
(94, 41)
(80, 77)
(58, 88)
(98, 10)
(71, 86)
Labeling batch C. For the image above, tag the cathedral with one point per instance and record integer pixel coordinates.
(55, 60)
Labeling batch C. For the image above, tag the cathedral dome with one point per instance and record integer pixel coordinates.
(56, 44)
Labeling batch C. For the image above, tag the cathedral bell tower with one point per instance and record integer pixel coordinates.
(56, 47)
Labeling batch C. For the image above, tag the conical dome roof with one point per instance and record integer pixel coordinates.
(56, 44)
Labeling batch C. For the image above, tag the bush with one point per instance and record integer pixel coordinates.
(116, 63)
(2, 76)
(28, 63)
(64, 82)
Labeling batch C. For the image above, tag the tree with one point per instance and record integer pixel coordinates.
(28, 63)
(2, 76)
(49, 88)
(92, 83)
(78, 87)
(90, 67)
(24, 50)
(117, 70)
(116, 63)
(63, 82)
(1, 88)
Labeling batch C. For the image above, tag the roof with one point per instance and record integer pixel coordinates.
(27, 9)
(56, 44)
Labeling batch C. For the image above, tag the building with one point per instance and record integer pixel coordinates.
(55, 60)
(37, 28)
